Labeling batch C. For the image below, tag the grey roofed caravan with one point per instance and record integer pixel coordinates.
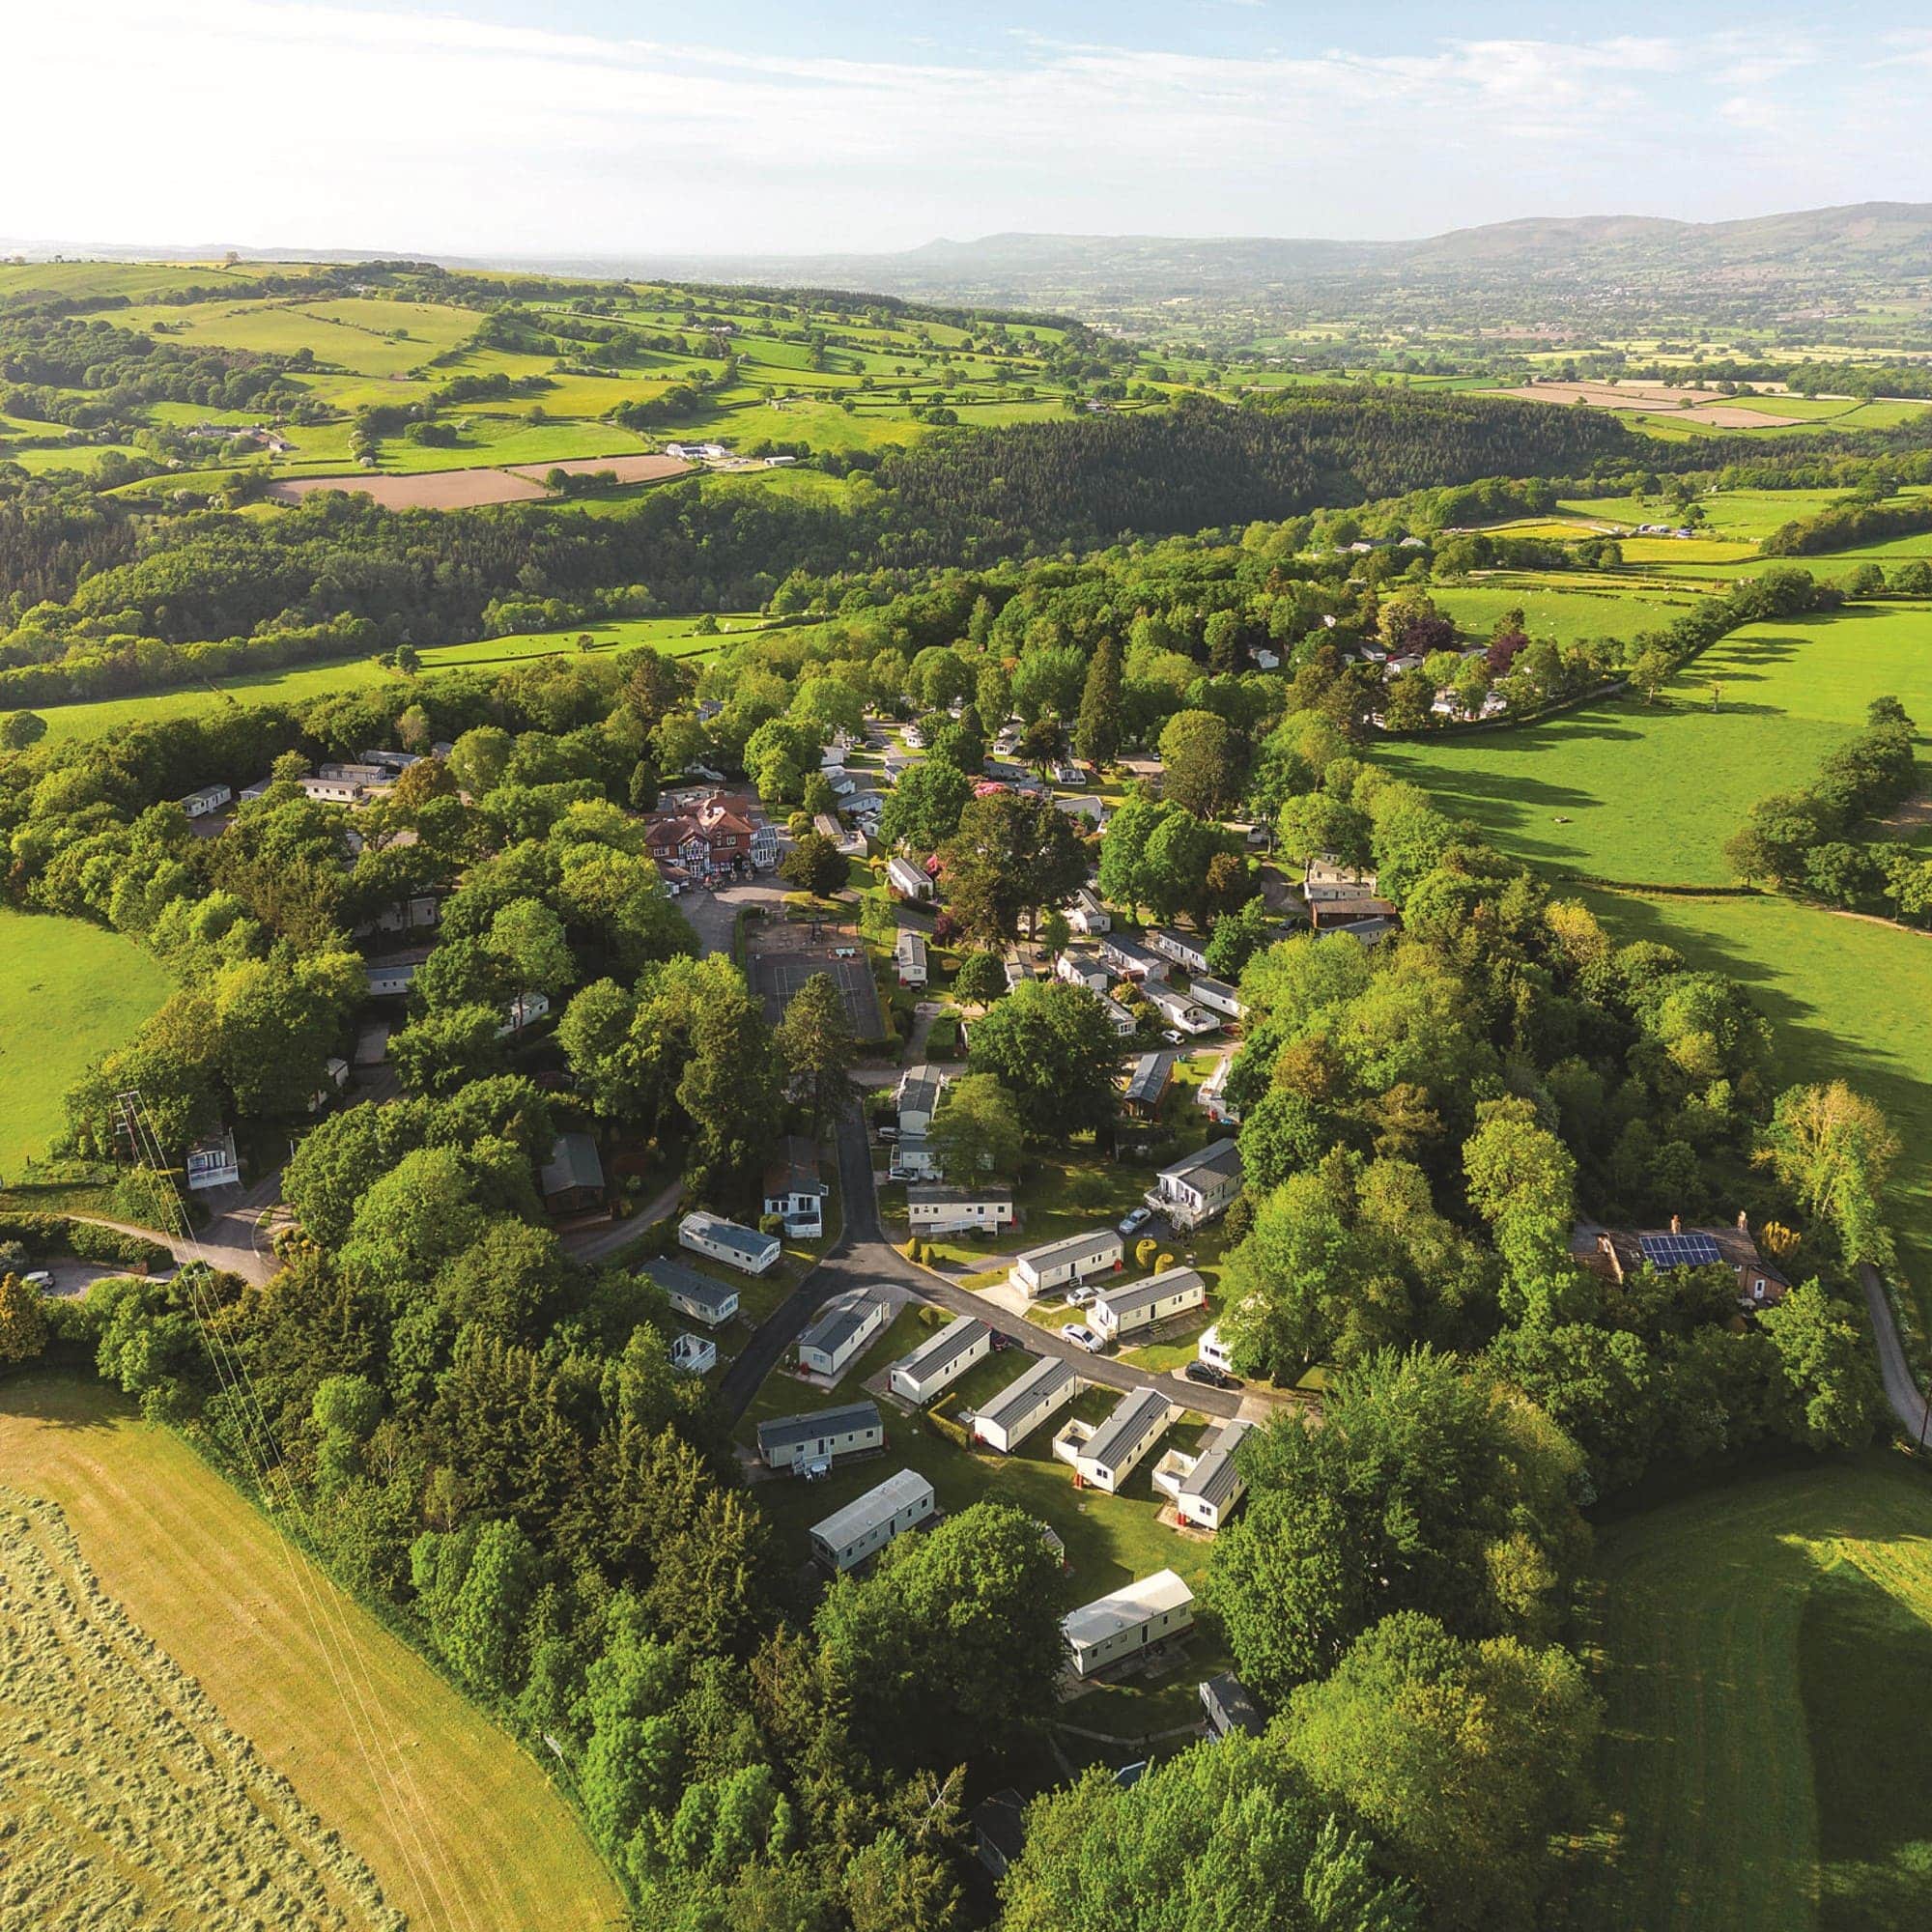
(840, 1321)
(1130, 1420)
(702, 1289)
(952, 1341)
(786, 1431)
(1213, 1477)
(1044, 1379)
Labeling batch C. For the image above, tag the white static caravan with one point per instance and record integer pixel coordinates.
(1109, 1628)
(1022, 1405)
(909, 955)
(1188, 949)
(693, 1354)
(863, 1528)
(1206, 1486)
(1055, 1264)
(1088, 912)
(728, 1242)
(1215, 1352)
(1109, 1455)
(937, 1364)
(847, 1322)
(909, 881)
(1083, 966)
(1195, 1188)
(697, 1296)
(1217, 995)
(805, 1443)
(211, 798)
(950, 1210)
(1119, 1313)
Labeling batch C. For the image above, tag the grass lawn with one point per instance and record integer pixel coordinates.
(1629, 792)
(1768, 1667)
(300, 686)
(441, 1791)
(68, 992)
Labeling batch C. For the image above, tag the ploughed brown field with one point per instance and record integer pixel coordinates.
(469, 489)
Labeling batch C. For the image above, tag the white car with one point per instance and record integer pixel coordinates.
(1084, 1337)
(1081, 1294)
(1169, 1034)
(39, 1279)
(1134, 1220)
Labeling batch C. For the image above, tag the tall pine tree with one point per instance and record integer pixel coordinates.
(1096, 732)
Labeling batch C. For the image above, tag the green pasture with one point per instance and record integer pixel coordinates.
(1567, 607)
(1767, 1663)
(1628, 791)
(353, 333)
(68, 993)
(294, 686)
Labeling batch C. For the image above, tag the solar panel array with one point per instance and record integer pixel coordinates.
(1669, 1251)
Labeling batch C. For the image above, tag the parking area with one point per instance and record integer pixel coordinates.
(784, 955)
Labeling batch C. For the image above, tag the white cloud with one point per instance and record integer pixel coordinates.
(258, 121)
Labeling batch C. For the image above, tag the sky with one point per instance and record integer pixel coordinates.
(513, 128)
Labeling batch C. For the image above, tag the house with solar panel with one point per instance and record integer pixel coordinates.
(1618, 1253)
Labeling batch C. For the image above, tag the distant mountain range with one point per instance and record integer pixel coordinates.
(1822, 252)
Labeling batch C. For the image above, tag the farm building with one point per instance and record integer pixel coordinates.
(1083, 966)
(1022, 1405)
(948, 1211)
(208, 799)
(1228, 1707)
(842, 1328)
(1147, 1083)
(1131, 960)
(909, 954)
(693, 1354)
(941, 1360)
(1206, 1486)
(697, 1296)
(1217, 995)
(1072, 1259)
(1195, 1188)
(907, 880)
(1104, 1457)
(1179, 1010)
(1617, 1254)
(213, 1162)
(572, 1181)
(1088, 913)
(1119, 1313)
(793, 1189)
(1109, 1628)
(1188, 949)
(728, 1242)
(803, 1441)
(863, 1528)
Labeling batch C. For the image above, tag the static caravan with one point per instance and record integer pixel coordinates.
(1114, 1450)
(209, 798)
(1215, 1352)
(1056, 1264)
(1147, 1083)
(697, 1296)
(728, 1242)
(1179, 1010)
(1119, 1313)
(1131, 960)
(950, 1210)
(862, 1528)
(693, 1354)
(907, 880)
(1217, 995)
(1197, 1187)
(845, 1324)
(1206, 1486)
(1109, 1628)
(1022, 1405)
(1188, 949)
(1088, 913)
(910, 955)
(935, 1365)
(1083, 966)
(801, 1441)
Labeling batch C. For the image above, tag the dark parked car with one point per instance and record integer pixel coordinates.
(1207, 1373)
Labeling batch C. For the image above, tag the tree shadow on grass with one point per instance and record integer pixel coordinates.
(1865, 1672)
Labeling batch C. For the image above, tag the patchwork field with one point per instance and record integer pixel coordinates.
(1768, 1664)
(68, 993)
(1649, 793)
(460, 1827)
(131, 1800)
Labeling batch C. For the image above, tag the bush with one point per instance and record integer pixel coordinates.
(92, 1243)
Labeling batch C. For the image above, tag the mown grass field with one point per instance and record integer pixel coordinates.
(1767, 1666)
(460, 1827)
(1648, 794)
(112, 1750)
(68, 993)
